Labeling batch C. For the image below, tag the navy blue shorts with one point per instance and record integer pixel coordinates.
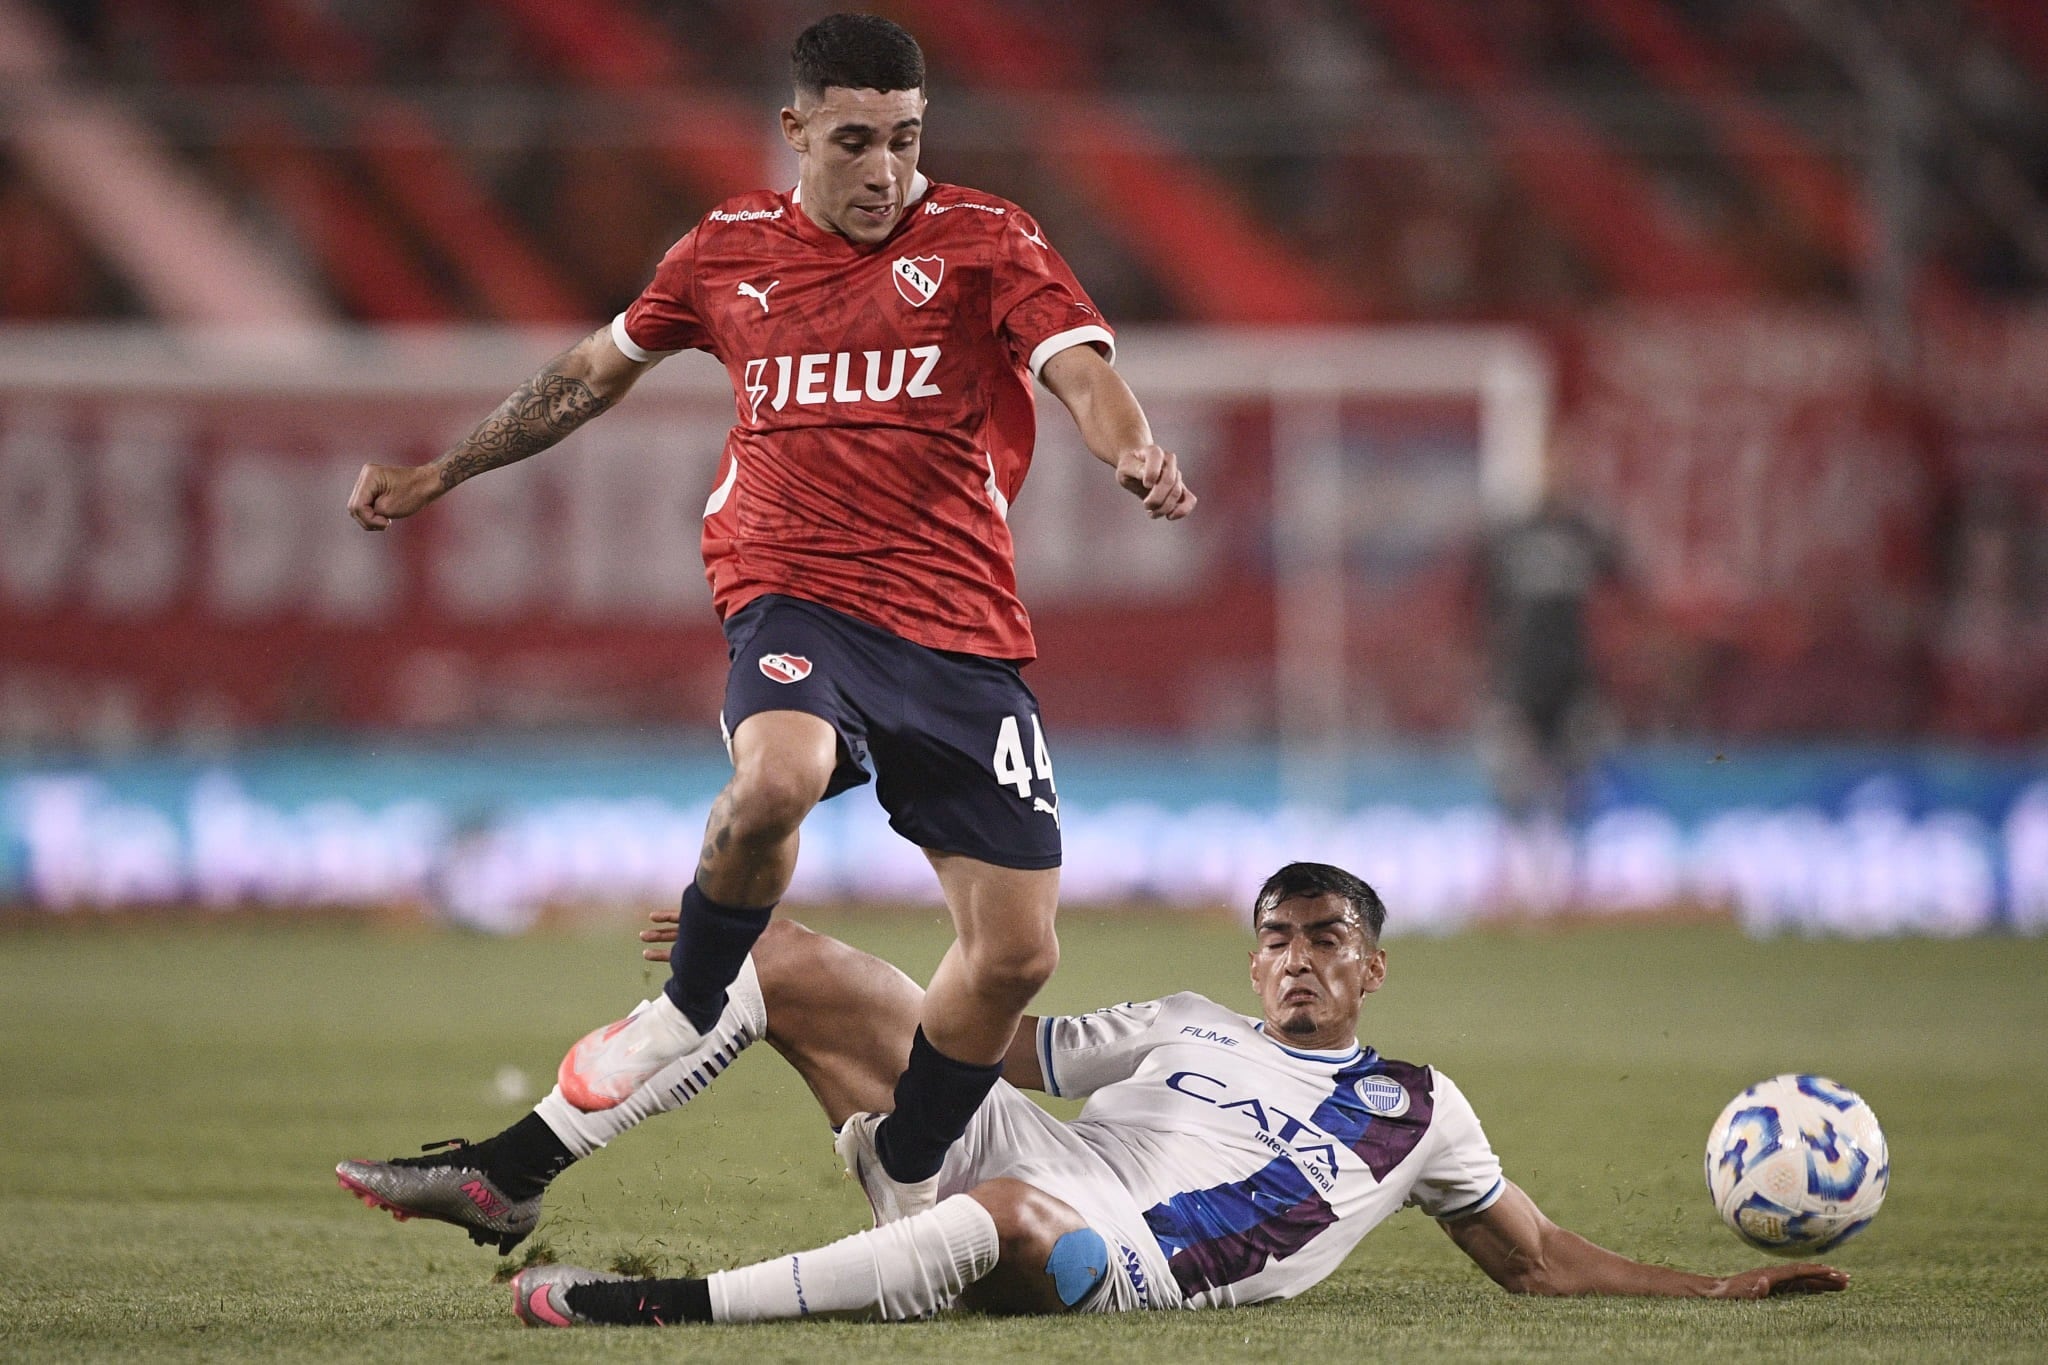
(955, 741)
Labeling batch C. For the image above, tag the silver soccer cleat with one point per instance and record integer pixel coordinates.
(444, 1187)
(540, 1295)
(889, 1199)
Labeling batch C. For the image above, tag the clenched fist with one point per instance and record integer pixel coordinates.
(1154, 475)
(386, 492)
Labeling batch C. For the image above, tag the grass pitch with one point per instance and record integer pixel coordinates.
(175, 1097)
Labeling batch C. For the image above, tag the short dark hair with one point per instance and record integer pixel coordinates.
(1322, 879)
(857, 52)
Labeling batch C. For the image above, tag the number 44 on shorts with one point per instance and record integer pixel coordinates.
(1010, 769)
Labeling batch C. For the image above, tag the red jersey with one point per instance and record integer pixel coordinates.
(885, 412)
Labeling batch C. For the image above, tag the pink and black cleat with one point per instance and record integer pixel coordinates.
(540, 1295)
(448, 1186)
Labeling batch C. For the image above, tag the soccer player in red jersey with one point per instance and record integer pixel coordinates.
(882, 332)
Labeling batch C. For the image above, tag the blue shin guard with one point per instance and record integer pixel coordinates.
(1078, 1265)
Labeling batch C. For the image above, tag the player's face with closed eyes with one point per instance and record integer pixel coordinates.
(856, 153)
(1313, 966)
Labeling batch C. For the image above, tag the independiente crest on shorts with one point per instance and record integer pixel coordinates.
(785, 668)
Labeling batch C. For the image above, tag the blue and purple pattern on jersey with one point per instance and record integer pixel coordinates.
(1228, 1233)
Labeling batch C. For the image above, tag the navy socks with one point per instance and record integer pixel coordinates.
(712, 941)
(935, 1098)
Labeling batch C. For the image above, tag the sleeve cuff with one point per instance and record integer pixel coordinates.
(1052, 1085)
(1073, 336)
(1479, 1205)
(630, 348)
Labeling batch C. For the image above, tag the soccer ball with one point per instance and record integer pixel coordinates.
(1797, 1164)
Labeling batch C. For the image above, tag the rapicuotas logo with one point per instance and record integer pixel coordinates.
(785, 668)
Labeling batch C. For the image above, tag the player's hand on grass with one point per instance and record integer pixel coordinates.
(386, 492)
(1804, 1277)
(1154, 475)
(664, 931)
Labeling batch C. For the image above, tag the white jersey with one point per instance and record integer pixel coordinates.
(1260, 1166)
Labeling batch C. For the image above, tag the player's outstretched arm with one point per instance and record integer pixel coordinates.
(1525, 1253)
(1115, 430)
(571, 389)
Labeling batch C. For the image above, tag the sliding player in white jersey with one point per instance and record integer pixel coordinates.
(1220, 1160)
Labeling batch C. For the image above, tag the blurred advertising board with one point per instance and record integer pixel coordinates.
(1828, 841)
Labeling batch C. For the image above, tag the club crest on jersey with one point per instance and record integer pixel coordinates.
(786, 668)
(917, 278)
(1382, 1095)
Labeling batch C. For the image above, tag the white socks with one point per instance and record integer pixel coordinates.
(902, 1270)
(743, 1023)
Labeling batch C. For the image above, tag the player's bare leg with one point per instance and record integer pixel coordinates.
(1005, 949)
(782, 761)
(843, 1018)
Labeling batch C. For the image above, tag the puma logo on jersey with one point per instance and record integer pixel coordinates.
(917, 278)
(840, 377)
(1052, 808)
(786, 668)
(759, 296)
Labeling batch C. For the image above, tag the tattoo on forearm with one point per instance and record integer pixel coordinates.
(539, 413)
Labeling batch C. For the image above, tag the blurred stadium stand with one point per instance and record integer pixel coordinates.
(502, 160)
(1784, 262)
